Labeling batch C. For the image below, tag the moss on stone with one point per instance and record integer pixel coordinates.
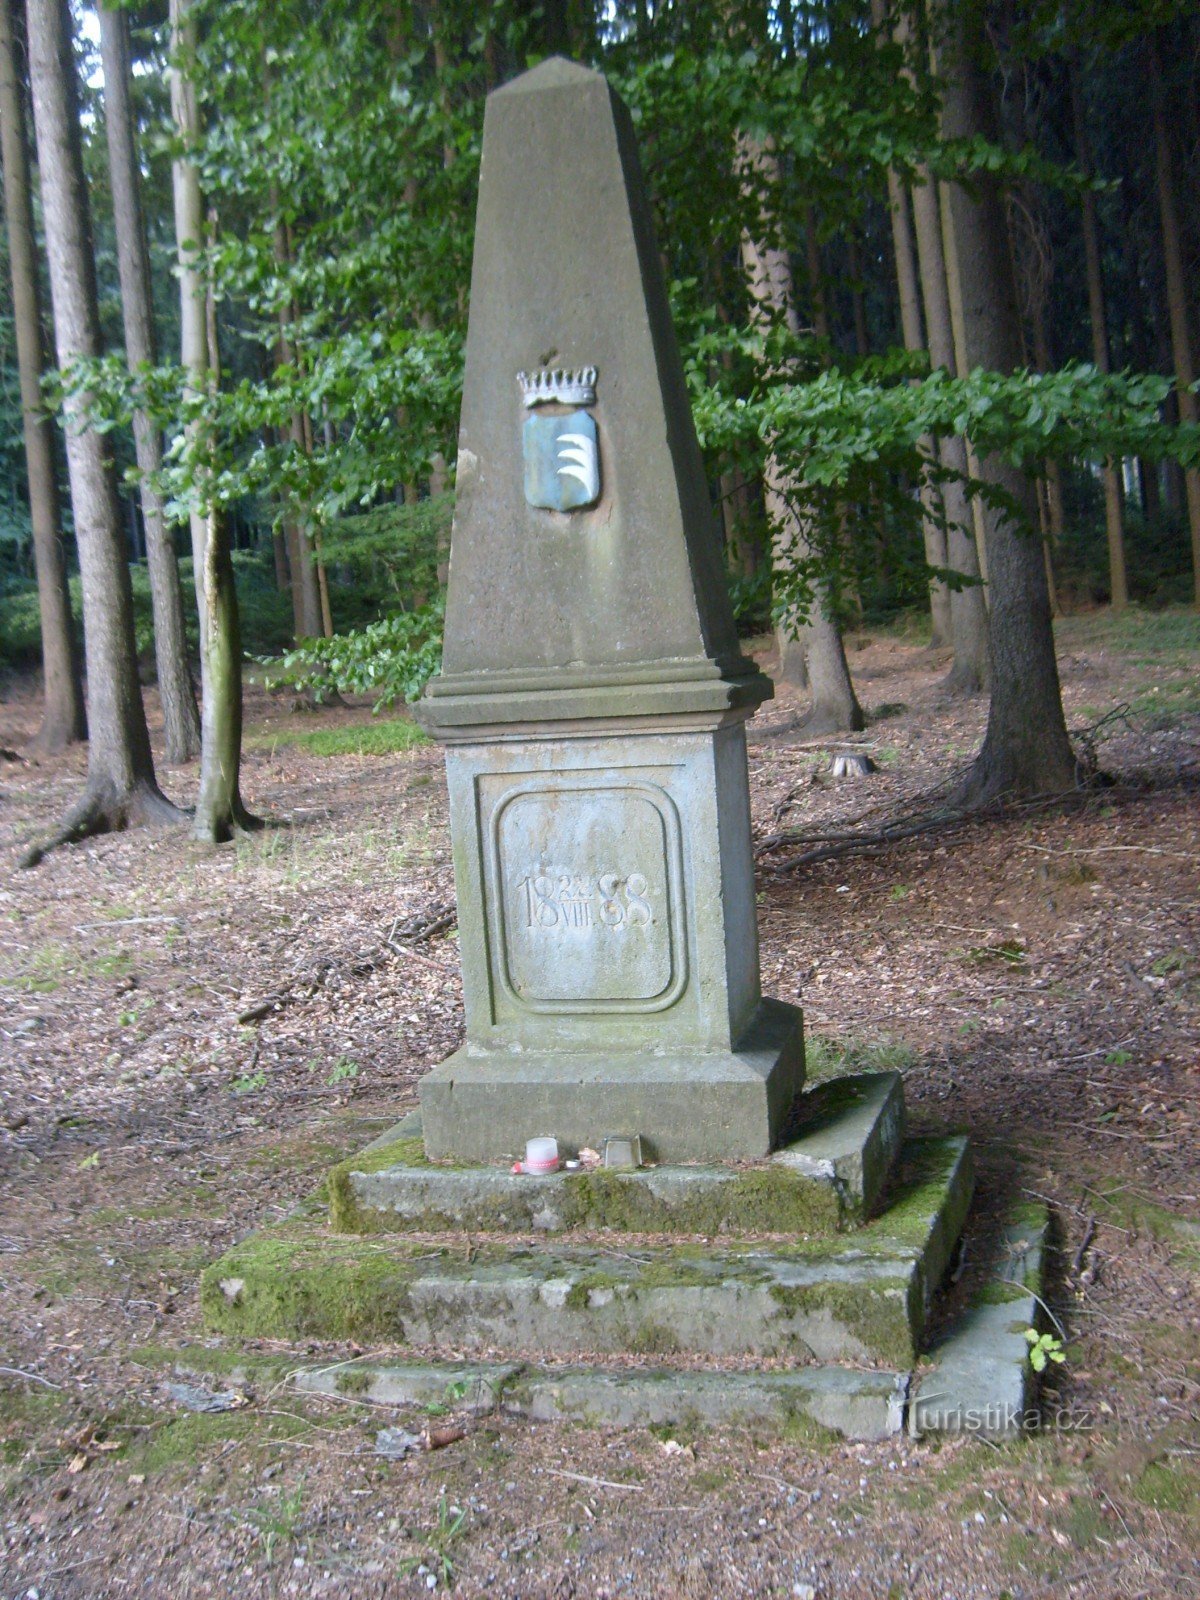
(354, 1380)
(757, 1200)
(271, 1287)
(879, 1314)
(346, 1215)
(651, 1339)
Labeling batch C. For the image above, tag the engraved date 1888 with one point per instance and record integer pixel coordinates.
(563, 900)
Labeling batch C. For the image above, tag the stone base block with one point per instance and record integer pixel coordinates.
(828, 1175)
(483, 1105)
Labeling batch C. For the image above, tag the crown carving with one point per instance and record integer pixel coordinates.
(569, 388)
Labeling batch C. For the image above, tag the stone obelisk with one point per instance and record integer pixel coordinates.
(593, 697)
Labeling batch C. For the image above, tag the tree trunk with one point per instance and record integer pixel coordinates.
(120, 777)
(306, 591)
(932, 521)
(1053, 518)
(219, 807)
(768, 271)
(63, 720)
(1026, 750)
(180, 719)
(1114, 518)
(954, 292)
(1177, 300)
(968, 609)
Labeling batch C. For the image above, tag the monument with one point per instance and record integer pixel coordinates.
(593, 696)
(777, 1252)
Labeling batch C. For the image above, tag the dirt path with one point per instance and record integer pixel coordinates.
(189, 1038)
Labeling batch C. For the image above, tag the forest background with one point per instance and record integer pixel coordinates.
(824, 180)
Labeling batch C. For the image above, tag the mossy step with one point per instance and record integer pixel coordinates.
(810, 1403)
(828, 1176)
(820, 1300)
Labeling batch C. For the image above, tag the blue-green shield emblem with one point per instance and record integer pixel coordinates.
(562, 461)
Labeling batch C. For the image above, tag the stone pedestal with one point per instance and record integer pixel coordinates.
(609, 946)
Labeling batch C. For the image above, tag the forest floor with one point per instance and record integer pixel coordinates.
(189, 1038)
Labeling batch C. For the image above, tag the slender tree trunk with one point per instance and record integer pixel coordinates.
(1114, 517)
(180, 718)
(968, 609)
(858, 305)
(954, 291)
(932, 521)
(219, 807)
(1177, 296)
(120, 778)
(322, 576)
(63, 720)
(306, 590)
(768, 271)
(1026, 749)
(1052, 518)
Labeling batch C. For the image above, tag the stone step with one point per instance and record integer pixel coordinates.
(861, 1298)
(979, 1379)
(828, 1176)
(807, 1402)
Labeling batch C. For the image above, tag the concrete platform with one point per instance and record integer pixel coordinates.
(828, 1176)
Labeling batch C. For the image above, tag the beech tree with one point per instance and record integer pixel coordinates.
(1025, 750)
(181, 722)
(63, 718)
(835, 706)
(219, 806)
(121, 786)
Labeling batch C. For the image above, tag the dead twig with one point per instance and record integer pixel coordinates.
(33, 1377)
(598, 1483)
(1088, 1235)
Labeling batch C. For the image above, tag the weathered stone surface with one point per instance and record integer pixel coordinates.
(610, 951)
(630, 592)
(812, 1401)
(593, 693)
(828, 1177)
(981, 1380)
(475, 1387)
(861, 1298)
(850, 1133)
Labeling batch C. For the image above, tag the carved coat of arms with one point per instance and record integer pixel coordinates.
(561, 447)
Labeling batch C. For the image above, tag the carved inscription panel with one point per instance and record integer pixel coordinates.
(588, 885)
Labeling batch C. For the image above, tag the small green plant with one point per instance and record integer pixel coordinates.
(899, 891)
(1043, 1348)
(280, 1521)
(343, 1068)
(249, 1083)
(436, 1557)
(1009, 952)
(1176, 961)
